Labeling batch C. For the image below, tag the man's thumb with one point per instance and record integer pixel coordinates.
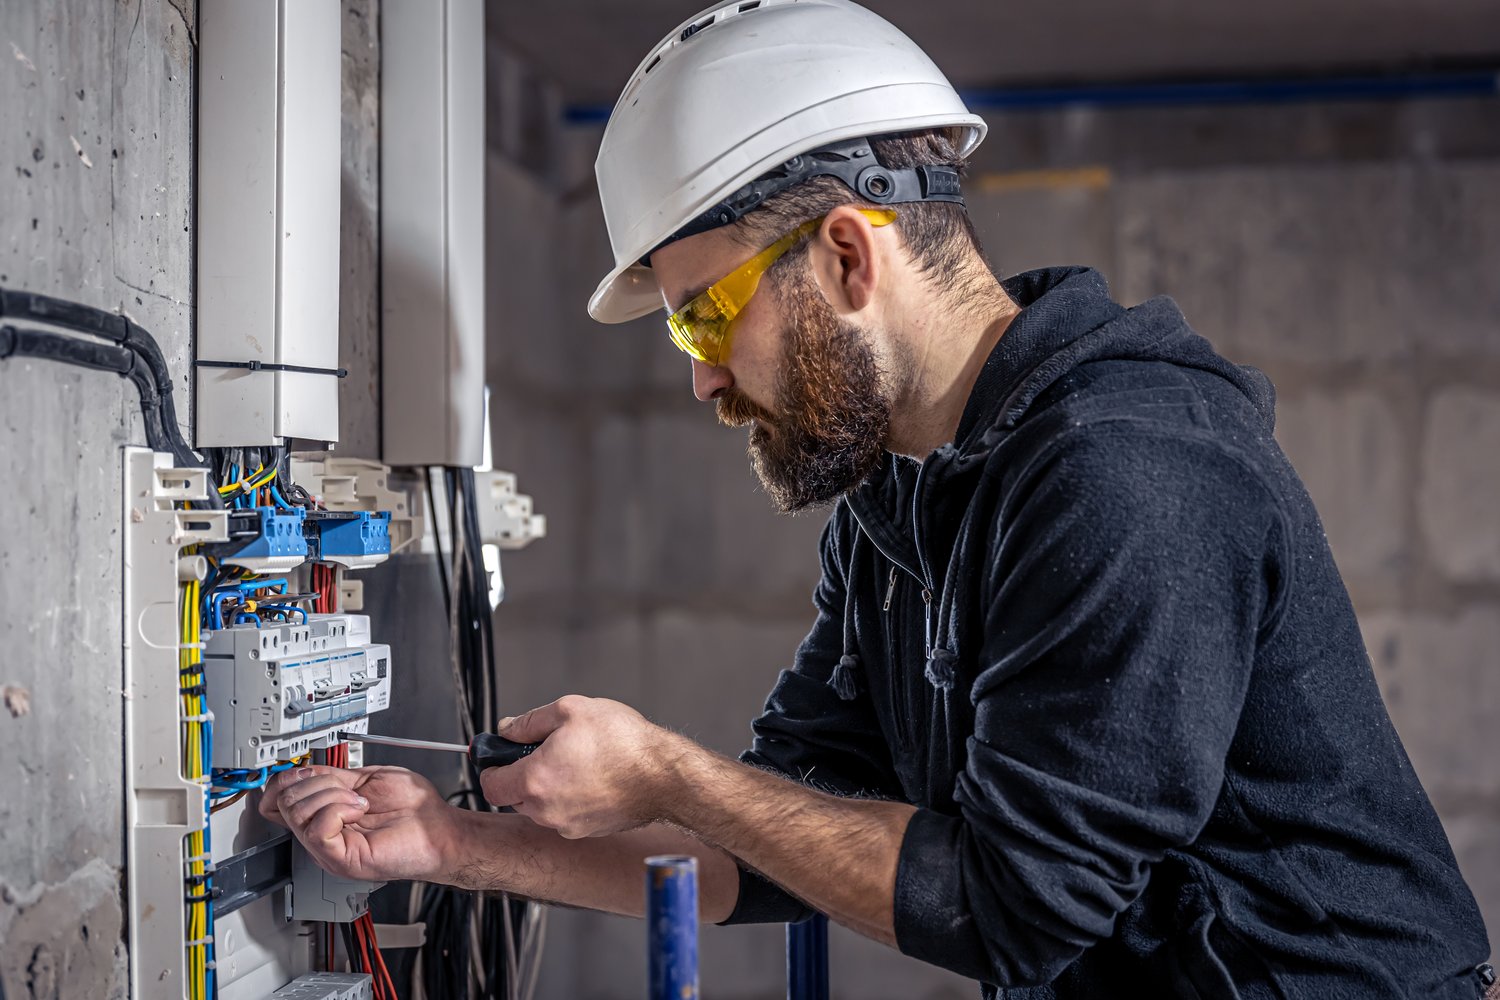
(530, 727)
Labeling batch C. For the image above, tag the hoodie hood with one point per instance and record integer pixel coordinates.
(1068, 319)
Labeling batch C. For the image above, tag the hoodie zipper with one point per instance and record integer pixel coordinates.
(897, 681)
(901, 700)
(926, 577)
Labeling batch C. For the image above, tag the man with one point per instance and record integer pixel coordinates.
(1084, 711)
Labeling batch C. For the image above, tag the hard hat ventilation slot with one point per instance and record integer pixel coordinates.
(749, 6)
(693, 29)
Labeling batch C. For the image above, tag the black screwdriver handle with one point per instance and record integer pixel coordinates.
(489, 750)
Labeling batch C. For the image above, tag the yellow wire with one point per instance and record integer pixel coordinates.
(249, 482)
(194, 765)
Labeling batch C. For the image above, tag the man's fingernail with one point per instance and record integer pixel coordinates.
(504, 723)
(364, 803)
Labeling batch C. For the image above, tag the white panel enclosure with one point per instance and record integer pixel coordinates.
(432, 232)
(268, 219)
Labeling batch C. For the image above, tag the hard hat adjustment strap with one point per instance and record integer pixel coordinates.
(853, 162)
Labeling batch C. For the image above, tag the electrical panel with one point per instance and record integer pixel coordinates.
(240, 631)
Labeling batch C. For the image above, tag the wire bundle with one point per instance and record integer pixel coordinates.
(359, 937)
(365, 956)
(481, 945)
(255, 477)
(131, 353)
(325, 586)
(197, 752)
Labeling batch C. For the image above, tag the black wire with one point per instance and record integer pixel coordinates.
(355, 964)
(437, 538)
(449, 913)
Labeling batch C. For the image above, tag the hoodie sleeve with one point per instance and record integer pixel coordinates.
(808, 732)
(1130, 578)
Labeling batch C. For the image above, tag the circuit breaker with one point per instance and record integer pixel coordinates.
(278, 691)
(327, 986)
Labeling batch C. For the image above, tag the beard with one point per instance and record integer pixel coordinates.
(832, 409)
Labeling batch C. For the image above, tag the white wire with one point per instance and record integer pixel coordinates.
(510, 949)
(413, 911)
(533, 940)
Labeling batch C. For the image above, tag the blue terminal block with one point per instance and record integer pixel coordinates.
(277, 544)
(353, 538)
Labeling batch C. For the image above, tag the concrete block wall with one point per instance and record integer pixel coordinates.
(1344, 249)
(1364, 291)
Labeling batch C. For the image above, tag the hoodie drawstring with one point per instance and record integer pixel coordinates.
(845, 677)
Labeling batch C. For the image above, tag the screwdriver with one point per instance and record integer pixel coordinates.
(487, 750)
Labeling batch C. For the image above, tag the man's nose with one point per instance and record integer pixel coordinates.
(710, 380)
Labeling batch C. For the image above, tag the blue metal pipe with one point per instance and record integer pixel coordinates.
(807, 959)
(1250, 91)
(1269, 90)
(672, 927)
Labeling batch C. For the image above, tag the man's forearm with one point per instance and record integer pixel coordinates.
(509, 853)
(839, 855)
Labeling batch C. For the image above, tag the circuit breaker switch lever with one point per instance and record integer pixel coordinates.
(487, 750)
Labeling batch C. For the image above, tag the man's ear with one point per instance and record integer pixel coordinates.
(846, 260)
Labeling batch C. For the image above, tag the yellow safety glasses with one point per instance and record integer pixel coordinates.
(701, 328)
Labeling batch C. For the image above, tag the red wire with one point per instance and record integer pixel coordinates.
(364, 928)
(385, 988)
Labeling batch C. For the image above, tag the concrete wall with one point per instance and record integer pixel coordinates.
(95, 205)
(1349, 250)
(96, 196)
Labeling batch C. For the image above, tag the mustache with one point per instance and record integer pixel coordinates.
(735, 409)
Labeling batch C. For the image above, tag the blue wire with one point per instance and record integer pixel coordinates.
(281, 501)
(217, 618)
(261, 584)
(286, 607)
(244, 617)
(211, 954)
(231, 781)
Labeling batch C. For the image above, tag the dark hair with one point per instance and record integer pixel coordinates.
(938, 235)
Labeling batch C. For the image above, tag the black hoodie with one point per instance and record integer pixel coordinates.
(1100, 642)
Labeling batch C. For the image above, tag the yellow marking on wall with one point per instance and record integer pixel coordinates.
(1087, 178)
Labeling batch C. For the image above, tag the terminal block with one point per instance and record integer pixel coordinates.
(264, 540)
(278, 691)
(354, 539)
(328, 986)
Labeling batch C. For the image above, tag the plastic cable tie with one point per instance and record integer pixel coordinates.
(201, 942)
(198, 857)
(205, 717)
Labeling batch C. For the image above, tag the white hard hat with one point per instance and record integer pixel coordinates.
(736, 91)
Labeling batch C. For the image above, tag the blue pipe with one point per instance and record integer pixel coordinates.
(1251, 91)
(807, 959)
(672, 927)
(1270, 90)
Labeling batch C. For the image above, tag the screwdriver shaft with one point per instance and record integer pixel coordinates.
(396, 741)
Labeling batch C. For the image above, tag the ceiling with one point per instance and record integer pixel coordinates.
(588, 48)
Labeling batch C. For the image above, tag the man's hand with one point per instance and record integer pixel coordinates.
(601, 768)
(371, 823)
